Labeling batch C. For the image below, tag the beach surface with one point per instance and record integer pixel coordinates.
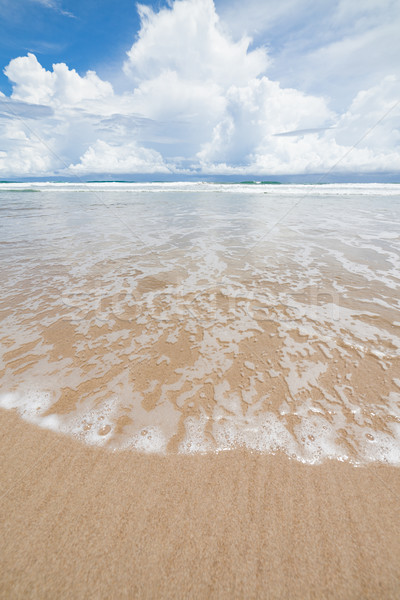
(184, 318)
(200, 392)
(82, 522)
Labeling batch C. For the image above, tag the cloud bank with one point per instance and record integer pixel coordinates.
(196, 101)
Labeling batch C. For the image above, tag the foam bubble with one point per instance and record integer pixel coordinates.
(150, 440)
(30, 403)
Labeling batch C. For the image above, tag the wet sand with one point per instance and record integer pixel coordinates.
(189, 321)
(82, 522)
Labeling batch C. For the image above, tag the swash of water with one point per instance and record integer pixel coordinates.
(203, 317)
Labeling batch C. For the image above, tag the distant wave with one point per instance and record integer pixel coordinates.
(253, 187)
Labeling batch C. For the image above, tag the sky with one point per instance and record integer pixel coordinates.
(199, 89)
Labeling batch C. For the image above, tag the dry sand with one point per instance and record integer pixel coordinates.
(81, 522)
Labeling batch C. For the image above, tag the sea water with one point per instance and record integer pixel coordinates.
(195, 317)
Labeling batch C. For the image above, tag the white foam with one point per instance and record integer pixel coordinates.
(342, 189)
(31, 404)
(376, 446)
(220, 283)
(96, 425)
(195, 438)
(317, 440)
(150, 440)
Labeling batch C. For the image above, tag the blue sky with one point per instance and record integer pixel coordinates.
(196, 87)
(95, 35)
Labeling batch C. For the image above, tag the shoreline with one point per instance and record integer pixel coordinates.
(88, 523)
(176, 333)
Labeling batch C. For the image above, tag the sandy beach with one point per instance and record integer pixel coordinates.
(199, 300)
(80, 522)
(187, 414)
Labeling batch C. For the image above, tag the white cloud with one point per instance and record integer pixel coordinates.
(61, 86)
(255, 114)
(373, 118)
(54, 5)
(22, 154)
(329, 47)
(168, 96)
(63, 105)
(183, 64)
(188, 39)
(124, 158)
(365, 139)
(194, 96)
(321, 154)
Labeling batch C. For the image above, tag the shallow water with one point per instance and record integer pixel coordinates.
(200, 317)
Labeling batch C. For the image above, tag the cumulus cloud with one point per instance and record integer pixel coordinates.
(23, 154)
(61, 86)
(188, 39)
(196, 100)
(124, 158)
(365, 139)
(254, 115)
(48, 117)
